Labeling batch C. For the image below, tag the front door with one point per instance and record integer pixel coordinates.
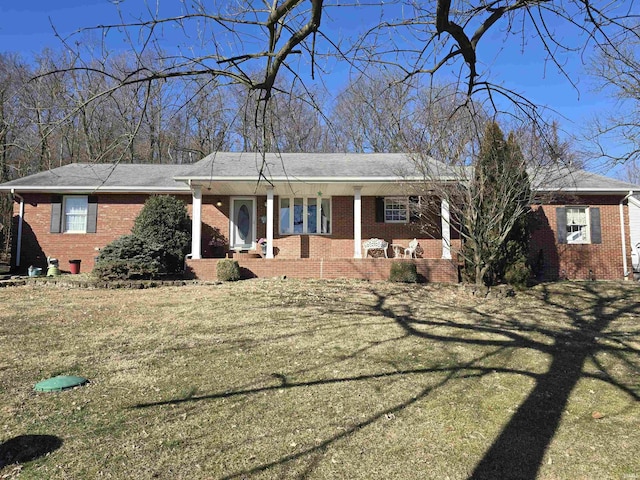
(243, 223)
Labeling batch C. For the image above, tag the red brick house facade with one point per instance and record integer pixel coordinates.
(313, 212)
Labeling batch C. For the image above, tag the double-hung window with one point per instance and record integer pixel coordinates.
(305, 215)
(577, 225)
(396, 209)
(75, 214)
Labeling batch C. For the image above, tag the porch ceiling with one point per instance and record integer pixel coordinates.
(298, 188)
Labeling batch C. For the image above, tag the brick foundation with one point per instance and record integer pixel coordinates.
(433, 270)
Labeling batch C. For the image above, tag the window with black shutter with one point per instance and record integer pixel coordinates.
(74, 214)
(578, 225)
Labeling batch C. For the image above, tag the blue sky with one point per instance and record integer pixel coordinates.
(25, 27)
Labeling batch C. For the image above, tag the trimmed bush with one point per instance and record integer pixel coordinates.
(404, 272)
(129, 257)
(518, 274)
(228, 270)
(164, 220)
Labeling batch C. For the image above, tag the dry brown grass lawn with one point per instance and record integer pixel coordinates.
(322, 380)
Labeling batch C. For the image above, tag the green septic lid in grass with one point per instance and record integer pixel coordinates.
(59, 383)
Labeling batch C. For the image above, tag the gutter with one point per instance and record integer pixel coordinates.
(625, 266)
(88, 189)
(584, 191)
(294, 179)
(20, 222)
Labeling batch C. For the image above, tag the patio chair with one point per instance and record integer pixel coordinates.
(406, 251)
(409, 251)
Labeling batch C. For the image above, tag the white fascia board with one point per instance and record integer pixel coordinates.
(586, 191)
(386, 179)
(185, 189)
(89, 189)
(292, 179)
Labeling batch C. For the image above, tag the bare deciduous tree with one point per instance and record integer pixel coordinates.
(616, 134)
(373, 114)
(205, 120)
(252, 43)
(292, 121)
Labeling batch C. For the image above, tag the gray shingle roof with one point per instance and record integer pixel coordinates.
(328, 166)
(236, 166)
(568, 179)
(103, 177)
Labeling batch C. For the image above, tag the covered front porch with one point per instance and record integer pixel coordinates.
(318, 222)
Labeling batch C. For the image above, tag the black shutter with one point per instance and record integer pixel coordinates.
(379, 209)
(92, 214)
(595, 227)
(414, 209)
(56, 214)
(561, 224)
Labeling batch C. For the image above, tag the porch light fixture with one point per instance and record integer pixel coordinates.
(219, 203)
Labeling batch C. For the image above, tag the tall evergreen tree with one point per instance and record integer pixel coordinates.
(497, 203)
(512, 266)
(164, 220)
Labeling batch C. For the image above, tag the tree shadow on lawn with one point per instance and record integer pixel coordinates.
(519, 449)
(25, 448)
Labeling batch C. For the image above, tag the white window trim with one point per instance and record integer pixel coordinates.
(587, 234)
(64, 213)
(407, 213)
(305, 215)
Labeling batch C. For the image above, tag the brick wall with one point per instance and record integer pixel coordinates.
(116, 214)
(214, 218)
(575, 261)
(433, 270)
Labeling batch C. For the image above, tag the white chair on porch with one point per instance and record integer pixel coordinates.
(409, 251)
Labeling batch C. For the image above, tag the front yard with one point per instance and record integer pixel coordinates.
(322, 380)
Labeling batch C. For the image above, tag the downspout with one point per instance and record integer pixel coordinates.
(20, 221)
(625, 266)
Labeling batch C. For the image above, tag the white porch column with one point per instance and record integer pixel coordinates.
(357, 222)
(196, 222)
(270, 222)
(446, 229)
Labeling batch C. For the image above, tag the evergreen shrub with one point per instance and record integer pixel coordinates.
(518, 274)
(129, 257)
(228, 270)
(164, 220)
(404, 272)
